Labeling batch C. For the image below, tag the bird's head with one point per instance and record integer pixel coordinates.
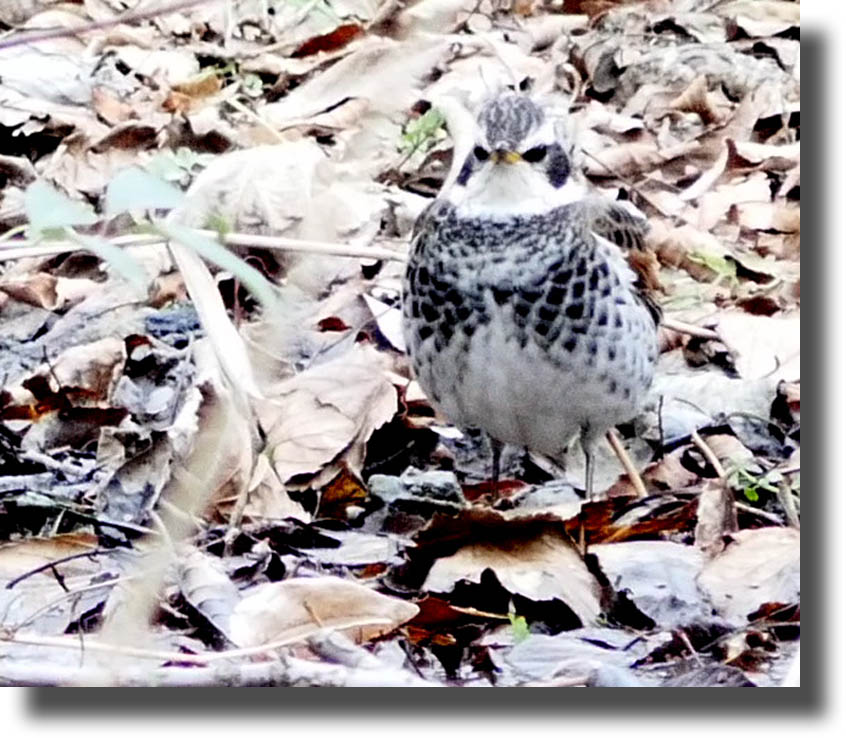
(517, 165)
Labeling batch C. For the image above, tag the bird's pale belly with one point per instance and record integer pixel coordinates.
(519, 394)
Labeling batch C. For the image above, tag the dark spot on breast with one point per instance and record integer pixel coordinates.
(575, 310)
(581, 268)
(563, 277)
(592, 348)
(542, 328)
(449, 317)
(464, 312)
(436, 297)
(555, 296)
(501, 295)
(547, 313)
(578, 290)
(424, 331)
(468, 328)
(602, 269)
(522, 309)
(415, 309)
(440, 284)
(618, 321)
(627, 392)
(531, 295)
(612, 353)
(429, 312)
(612, 387)
(602, 318)
(423, 276)
(453, 296)
(446, 330)
(593, 281)
(570, 344)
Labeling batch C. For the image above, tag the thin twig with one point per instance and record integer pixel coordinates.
(56, 562)
(628, 465)
(690, 329)
(709, 455)
(772, 517)
(26, 249)
(130, 17)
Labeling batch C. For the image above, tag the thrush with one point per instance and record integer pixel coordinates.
(521, 314)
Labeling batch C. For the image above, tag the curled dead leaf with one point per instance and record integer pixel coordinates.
(295, 609)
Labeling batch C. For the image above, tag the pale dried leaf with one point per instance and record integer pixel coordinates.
(295, 609)
(545, 568)
(206, 587)
(759, 566)
(326, 410)
(659, 576)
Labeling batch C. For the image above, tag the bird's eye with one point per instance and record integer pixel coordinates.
(535, 154)
(480, 153)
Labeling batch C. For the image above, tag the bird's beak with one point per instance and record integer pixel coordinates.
(507, 157)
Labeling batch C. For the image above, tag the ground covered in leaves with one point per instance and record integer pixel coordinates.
(215, 467)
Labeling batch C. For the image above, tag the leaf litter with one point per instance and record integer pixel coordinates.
(214, 451)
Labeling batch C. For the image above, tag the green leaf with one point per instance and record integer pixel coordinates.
(47, 208)
(218, 254)
(751, 494)
(116, 257)
(135, 189)
(519, 627)
(423, 132)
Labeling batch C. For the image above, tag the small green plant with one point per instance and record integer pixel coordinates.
(422, 133)
(752, 484)
(519, 627)
(724, 269)
(179, 166)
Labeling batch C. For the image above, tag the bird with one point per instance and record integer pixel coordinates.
(521, 315)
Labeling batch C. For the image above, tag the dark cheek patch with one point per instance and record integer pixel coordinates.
(466, 171)
(558, 167)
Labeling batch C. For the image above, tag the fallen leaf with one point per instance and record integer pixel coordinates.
(325, 411)
(295, 609)
(758, 566)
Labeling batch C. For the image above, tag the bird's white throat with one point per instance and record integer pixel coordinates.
(505, 190)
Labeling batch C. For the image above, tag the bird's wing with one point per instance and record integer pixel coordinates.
(617, 225)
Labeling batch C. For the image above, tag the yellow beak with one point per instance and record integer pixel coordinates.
(508, 157)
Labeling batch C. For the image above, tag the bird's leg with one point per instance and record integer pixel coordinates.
(587, 442)
(589, 474)
(496, 454)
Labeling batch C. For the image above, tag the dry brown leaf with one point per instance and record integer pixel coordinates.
(325, 411)
(268, 499)
(543, 568)
(659, 576)
(206, 587)
(761, 18)
(295, 609)
(765, 346)
(715, 517)
(632, 159)
(22, 556)
(757, 567)
(37, 289)
(767, 216)
(695, 99)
